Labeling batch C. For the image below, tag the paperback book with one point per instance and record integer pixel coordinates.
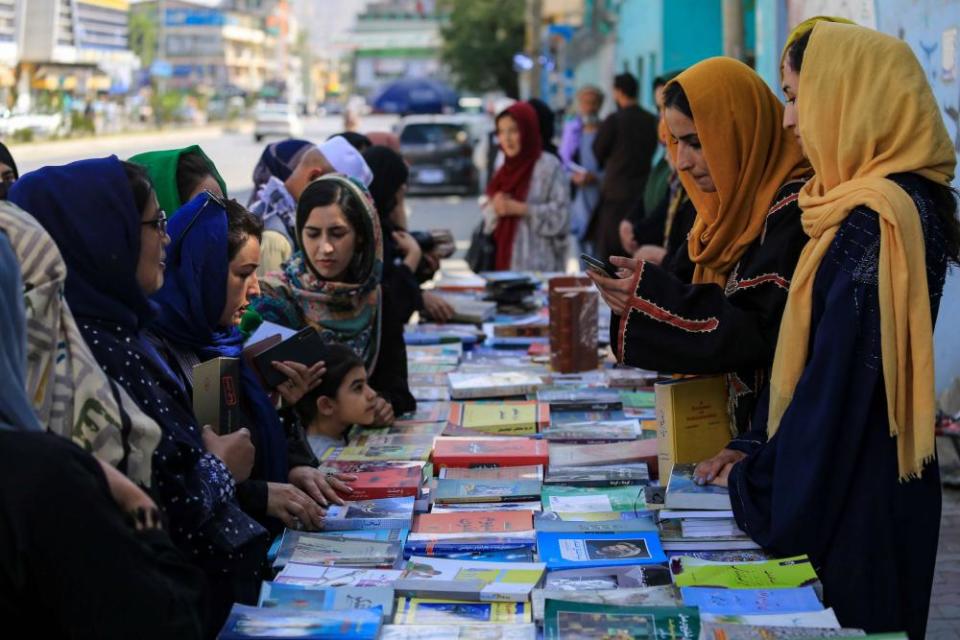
(770, 574)
(396, 482)
(527, 472)
(438, 611)
(289, 596)
(664, 596)
(291, 540)
(383, 513)
(458, 632)
(564, 620)
(464, 580)
(572, 550)
(489, 452)
(751, 601)
(599, 476)
(308, 575)
(562, 498)
(595, 522)
(464, 386)
(485, 491)
(256, 622)
(625, 577)
(684, 493)
(516, 418)
(488, 522)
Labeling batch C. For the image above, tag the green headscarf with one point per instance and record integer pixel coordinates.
(162, 167)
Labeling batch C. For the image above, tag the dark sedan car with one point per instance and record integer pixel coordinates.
(440, 152)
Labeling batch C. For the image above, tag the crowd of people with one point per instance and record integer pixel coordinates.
(798, 249)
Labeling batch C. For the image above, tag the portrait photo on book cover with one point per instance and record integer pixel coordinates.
(611, 549)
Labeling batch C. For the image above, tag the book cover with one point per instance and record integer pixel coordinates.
(256, 622)
(483, 506)
(437, 611)
(308, 575)
(593, 432)
(452, 548)
(751, 601)
(465, 580)
(518, 418)
(625, 577)
(464, 386)
(596, 522)
(560, 415)
(384, 513)
(571, 550)
(426, 412)
(587, 455)
(526, 472)
(664, 596)
(824, 618)
(366, 466)
(639, 399)
(290, 596)
(372, 452)
(498, 522)
(684, 493)
(458, 632)
(771, 574)
(564, 620)
(561, 498)
(489, 451)
(600, 475)
(693, 422)
(719, 631)
(216, 400)
(292, 539)
(454, 491)
(394, 482)
(334, 551)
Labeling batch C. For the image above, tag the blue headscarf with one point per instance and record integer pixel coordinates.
(16, 413)
(97, 228)
(278, 159)
(189, 308)
(88, 209)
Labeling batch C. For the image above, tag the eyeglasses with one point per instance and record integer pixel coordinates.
(159, 223)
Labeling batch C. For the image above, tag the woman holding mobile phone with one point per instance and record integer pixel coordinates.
(743, 176)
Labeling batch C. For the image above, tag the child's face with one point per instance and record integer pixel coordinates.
(355, 398)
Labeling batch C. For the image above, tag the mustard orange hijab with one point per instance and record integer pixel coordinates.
(739, 124)
(866, 111)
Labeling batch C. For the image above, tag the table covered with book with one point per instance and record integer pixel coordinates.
(537, 491)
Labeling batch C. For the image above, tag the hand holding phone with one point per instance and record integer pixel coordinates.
(598, 266)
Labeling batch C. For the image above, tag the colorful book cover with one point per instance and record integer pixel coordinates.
(256, 622)
(308, 575)
(751, 601)
(600, 476)
(291, 539)
(458, 632)
(518, 418)
(290, 596)
(664, 596)
(383, 513)
(385, 483)
(483, 506)
(564, 620)
(570, 550)
(526, 472)
(435, 611)
(453, 548)
(594, 522)
(464, 386)
(588, 455)
(717, 631)
(489, 451)
(373, 452)
(626, 577)
(454, 491)
(684, 493)
(473, 522)
(824, 618)
(593, 499)
(460, 579)
(638, 399)
(593, 432)
(771, 574)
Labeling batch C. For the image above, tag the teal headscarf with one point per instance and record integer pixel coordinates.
(162, 167)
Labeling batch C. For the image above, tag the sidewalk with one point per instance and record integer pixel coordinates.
(944, 621)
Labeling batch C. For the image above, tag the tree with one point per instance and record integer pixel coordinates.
(143, 36)
(480, 39)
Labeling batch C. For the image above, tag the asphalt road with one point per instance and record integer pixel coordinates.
(235, 154)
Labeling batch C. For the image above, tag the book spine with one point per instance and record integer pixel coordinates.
(378, 493)
(625, 482)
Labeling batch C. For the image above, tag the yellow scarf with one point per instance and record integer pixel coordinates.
(866, 112)
(806, 27)
(750, 156)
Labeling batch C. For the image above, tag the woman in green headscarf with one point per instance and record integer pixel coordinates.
(179, 175)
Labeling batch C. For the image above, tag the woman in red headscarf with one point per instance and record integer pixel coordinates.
(527, 203)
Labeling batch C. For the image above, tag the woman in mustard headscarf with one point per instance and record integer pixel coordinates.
(742, 172)
(846, 471)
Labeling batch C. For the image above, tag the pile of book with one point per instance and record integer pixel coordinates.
(521, 502)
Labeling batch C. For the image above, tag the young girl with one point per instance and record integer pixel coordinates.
(340, 401)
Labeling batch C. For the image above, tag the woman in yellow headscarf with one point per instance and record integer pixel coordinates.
(743, 173)
(848, 473)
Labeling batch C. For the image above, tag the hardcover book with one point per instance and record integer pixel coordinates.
(693, 422)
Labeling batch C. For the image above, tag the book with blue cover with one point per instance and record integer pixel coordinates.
(383, 513)
(466, 580)
(575, 550)
(291, 596)
(255, 622)
(458, 491)
(291, 539)
(751, 601)
(684, 493)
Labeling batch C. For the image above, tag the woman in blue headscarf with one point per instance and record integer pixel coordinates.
(211, 271)
(47, 485)
(104, 217)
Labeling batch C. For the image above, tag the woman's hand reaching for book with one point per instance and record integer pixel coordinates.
(293, 507)
(437, 308)
(320, 486)
(712, 469)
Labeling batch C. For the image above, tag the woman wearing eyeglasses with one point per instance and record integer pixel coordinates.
(104, 216)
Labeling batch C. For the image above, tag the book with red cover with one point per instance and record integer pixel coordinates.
(397, 482)
(473, 522)
(489, 452)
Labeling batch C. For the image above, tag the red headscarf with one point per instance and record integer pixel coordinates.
(513, 178)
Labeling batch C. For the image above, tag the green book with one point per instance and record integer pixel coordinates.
(566, 499)
(568, 620)
(769, 574)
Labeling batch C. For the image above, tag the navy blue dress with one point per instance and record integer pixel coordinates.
(826, 484)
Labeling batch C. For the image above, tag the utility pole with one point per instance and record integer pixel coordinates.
(733, 45)
(534, 19)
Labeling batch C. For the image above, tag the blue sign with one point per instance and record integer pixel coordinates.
(161, 69)
(194, 18)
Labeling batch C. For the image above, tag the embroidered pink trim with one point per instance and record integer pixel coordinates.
(775, 278)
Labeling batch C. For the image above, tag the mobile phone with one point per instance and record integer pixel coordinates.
(306, 347)
(601, 267)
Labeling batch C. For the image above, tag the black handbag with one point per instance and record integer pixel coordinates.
(482, 253)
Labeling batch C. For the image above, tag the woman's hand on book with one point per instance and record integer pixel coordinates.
(320, 486)
(712, 469)
(300, 379)
(436, 307)
(293, 507)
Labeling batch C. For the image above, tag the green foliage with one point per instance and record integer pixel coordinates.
(81, 124)
(479, 42)
(143, 36)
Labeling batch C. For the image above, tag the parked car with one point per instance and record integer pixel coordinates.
(278, 119)
(440, 152)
